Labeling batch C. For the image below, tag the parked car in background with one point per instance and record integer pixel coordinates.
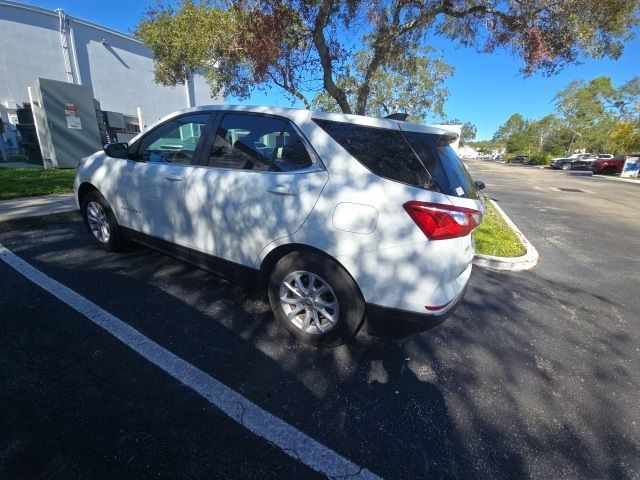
(608, 166)
(518, 159)
(336, 217)
(577, 161)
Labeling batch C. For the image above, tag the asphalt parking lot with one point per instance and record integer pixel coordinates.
(537, 375)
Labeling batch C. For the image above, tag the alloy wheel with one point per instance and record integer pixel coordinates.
(309, 302)
(98, 222)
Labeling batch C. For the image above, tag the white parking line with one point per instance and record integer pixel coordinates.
(293, 442)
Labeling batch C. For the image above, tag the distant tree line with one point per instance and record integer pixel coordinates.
(593, 116)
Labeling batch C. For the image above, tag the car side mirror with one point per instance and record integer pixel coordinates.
(117, 150)
(480, 185)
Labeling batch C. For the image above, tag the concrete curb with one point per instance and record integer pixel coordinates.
(36, 206)
(617, 178)
(512, 264)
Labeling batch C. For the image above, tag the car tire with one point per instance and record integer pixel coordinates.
(308, 316)
(101, 223)
(567, 166)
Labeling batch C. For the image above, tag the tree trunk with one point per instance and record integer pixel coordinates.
(326, 61)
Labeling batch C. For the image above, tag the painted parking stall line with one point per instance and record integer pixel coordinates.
(292, 441)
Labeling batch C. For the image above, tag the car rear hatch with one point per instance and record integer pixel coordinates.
(451, 176)
(421, 157)
(444, 165)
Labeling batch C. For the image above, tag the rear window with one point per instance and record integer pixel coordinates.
(444, 165)
(413, 158)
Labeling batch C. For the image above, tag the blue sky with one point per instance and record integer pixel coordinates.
(485, 89)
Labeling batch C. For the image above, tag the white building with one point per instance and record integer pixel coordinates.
(468, 152)
(39, 43)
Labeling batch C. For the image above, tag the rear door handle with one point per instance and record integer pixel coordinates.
(173, 178)
(280, 190)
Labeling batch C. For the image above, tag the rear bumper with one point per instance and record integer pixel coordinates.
(388, 321)
(601, 168)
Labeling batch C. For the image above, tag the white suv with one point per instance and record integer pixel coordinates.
(338, 217)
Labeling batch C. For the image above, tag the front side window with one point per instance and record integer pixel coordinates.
(255, 142)
(174, 141)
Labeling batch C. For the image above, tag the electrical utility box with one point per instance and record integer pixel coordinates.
(66, 122)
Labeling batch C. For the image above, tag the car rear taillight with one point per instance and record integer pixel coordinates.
(440, 222)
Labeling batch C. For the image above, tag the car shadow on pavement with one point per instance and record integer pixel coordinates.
(231, 334)
(528, 379)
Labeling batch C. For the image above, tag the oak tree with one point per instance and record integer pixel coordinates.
(348, 49)
(596, 109)
(595, 116)
(413, 84)
(468, 131)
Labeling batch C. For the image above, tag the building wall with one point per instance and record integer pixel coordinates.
(29, 48)
(203, 92)
(119, 70)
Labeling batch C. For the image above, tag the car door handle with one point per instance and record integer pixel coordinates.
(173, 178)
(280, 190)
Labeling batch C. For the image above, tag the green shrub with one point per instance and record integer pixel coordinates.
(539, 158)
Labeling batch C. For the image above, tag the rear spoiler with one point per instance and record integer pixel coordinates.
(398, 116)
(447, 139)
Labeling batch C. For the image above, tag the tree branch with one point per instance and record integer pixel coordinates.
(386, 37)
(320, 42)
(384, 40)
(477, 9)
(286, 86)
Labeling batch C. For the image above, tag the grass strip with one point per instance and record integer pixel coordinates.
(495, 237)
(33, 182)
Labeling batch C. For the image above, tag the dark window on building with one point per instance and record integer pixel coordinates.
(259, 143)
(174, 141)
(383, 151)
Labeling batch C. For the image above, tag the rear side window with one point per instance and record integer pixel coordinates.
(418, 159)
(385, 152)
(444, 165)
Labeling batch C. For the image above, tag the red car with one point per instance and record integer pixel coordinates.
(607, 166)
